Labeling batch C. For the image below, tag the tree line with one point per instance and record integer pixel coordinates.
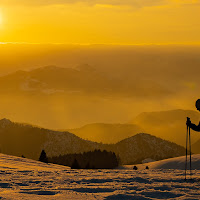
(96, 159)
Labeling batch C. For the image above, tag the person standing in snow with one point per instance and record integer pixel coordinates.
(190, 124)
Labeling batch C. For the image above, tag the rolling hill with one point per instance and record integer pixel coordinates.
(83, 79)
(168, 125)
(59, 98)
(142, 146)
(107, 133)
(23, 139)
(177, 163)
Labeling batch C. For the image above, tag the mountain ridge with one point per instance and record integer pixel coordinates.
(106, 133)
(83, 78)
(169, 125)
(20, 139)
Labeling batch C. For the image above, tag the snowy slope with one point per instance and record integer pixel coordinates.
(13, 162)
(177, 163)
(171, 163)
(26, 179)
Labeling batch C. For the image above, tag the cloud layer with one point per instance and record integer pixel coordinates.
(134, 3)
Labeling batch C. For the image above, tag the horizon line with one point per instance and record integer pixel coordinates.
(103, 44)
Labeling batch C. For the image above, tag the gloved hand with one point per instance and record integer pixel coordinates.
(188, 122)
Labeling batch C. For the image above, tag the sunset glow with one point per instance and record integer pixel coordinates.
(102, 22)
(1, 20)
(99, 99)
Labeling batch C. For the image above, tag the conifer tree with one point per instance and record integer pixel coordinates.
(43, 157)
(75, 164)
(88, 166)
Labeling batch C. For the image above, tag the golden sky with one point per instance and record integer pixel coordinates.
(100, 21)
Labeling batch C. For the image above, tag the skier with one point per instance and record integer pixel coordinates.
(190, 124)
(194, 127)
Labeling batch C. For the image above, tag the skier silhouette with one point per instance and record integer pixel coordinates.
(190, 124)
(194, 127)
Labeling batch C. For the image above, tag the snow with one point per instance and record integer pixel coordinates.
(173, 163)
(4, 123)
(148, 160)
(31, 84)
(21, 178)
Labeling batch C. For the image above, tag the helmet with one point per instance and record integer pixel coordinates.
(198, 104)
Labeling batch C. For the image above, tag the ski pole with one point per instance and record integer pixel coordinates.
(186, 153)
(190, 153)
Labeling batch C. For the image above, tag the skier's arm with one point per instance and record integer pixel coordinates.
(193, 126)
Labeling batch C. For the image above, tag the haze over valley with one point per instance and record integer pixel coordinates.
(70, 86)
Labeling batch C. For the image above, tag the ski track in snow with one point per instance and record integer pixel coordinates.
(27, 179)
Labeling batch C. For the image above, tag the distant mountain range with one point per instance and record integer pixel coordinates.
(168, 125)
(22, 139)
(62, 98)
(17, 139)
(82, 80)
(107, 133)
